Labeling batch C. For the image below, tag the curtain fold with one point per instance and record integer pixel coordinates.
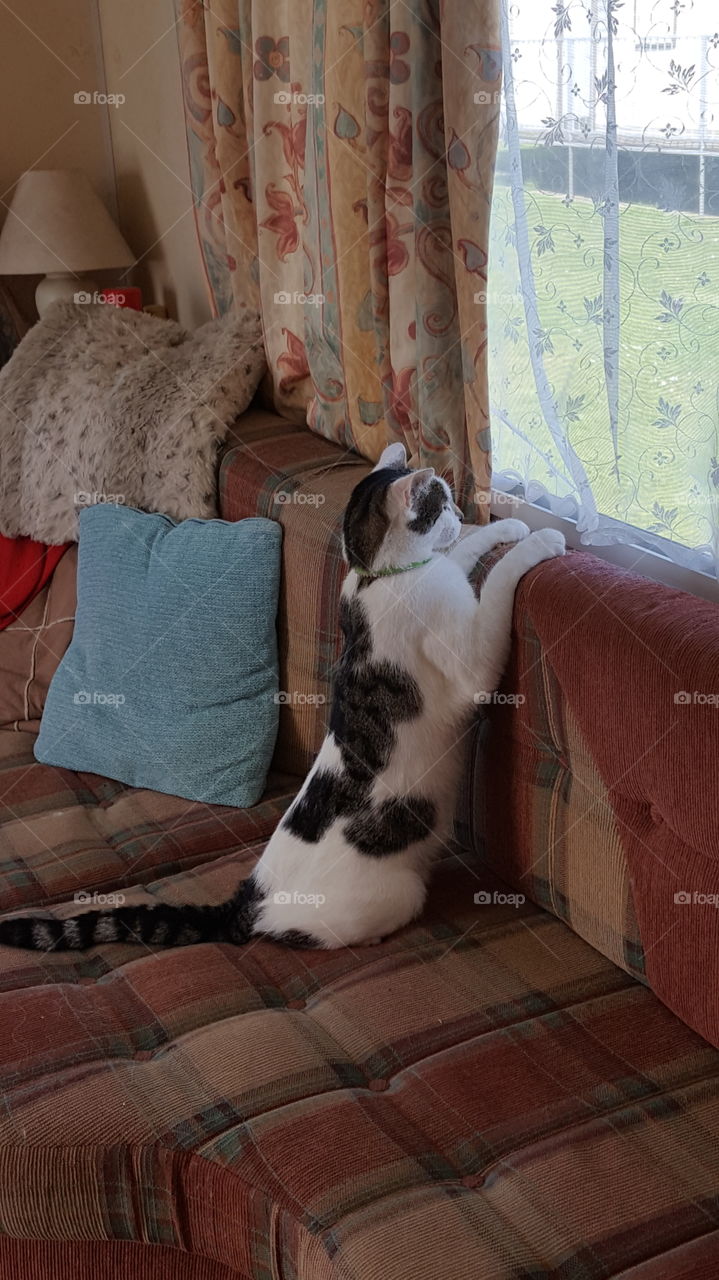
(342, 160)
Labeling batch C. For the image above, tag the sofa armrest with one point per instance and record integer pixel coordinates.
(601, 775)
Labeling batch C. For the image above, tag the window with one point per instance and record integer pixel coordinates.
(603, 292)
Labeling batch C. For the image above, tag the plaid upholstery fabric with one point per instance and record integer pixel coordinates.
(551, 826)
(63, 832)
(289, 474)
(482, 1095)
(600, 787)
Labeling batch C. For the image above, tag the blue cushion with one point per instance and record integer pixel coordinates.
(171, 678)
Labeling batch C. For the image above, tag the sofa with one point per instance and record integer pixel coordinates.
(522, 1083)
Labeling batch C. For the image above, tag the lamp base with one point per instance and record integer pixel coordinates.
(62, 286)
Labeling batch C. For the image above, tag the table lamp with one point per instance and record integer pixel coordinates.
(57, 224)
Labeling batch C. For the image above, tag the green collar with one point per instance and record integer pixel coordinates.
(391, 569)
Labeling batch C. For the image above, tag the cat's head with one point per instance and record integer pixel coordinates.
(396, 516)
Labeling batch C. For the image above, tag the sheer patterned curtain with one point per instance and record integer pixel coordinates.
(603, 290)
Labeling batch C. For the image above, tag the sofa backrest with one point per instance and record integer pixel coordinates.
(285, 472)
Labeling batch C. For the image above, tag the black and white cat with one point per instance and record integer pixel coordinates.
(350, 860)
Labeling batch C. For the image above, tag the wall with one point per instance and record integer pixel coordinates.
(139, 44)
(51, 51)
(135, 154)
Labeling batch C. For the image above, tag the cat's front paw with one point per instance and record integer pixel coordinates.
(545, 544)
(511, 530)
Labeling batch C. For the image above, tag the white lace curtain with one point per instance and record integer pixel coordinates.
(603, 289)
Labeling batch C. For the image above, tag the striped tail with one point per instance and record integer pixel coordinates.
(160, 926)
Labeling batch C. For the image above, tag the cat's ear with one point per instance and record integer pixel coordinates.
(395, 455)
(403, 492)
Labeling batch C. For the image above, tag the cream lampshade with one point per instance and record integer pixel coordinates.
(57, 224)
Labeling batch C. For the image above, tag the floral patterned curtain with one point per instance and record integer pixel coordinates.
(342, 158)
(604, 280)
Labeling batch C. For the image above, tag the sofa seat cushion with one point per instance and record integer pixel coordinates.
(63, 833)
(483, 1094)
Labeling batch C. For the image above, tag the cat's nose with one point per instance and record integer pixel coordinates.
(457, 512)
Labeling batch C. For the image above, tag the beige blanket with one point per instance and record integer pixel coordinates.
(99, 404)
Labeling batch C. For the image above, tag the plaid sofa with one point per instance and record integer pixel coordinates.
(495, 1091)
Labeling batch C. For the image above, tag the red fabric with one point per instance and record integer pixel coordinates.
(639, 665)
(25, 567)
(111, 1259)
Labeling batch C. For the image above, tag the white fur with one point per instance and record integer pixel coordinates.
(429, 621)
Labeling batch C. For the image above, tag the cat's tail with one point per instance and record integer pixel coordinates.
(162, 925)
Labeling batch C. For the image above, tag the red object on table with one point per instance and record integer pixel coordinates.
(25, 567)
(122, 296)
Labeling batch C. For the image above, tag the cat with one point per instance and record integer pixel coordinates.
(349, 862)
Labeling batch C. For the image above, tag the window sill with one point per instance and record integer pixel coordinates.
(640, 560)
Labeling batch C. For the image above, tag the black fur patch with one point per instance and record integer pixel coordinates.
(429, 506)
(370, 699)
(392, 826)
(242, 911)
(326, 798)
(355, 630)
(366, 521)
